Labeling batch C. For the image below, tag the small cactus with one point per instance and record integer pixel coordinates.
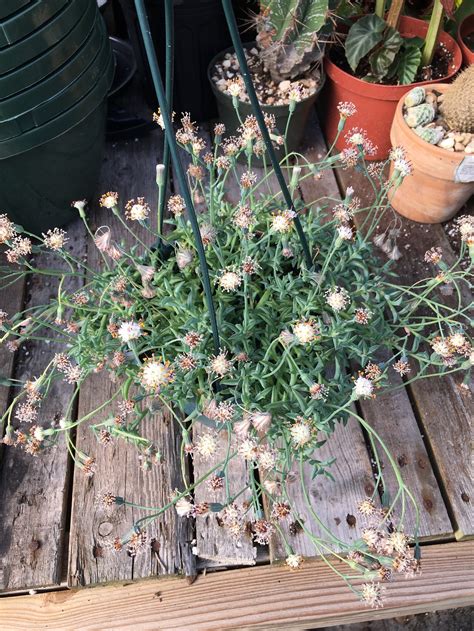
(430, 134)
(415, 97)
(420, 115)
(288, 36)
(458, 103)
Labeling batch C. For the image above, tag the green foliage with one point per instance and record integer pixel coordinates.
(288, 35)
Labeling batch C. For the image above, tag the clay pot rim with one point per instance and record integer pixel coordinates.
(419, 142)
(386, 92)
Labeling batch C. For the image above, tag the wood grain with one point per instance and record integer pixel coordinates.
(443, 413)
(130, 170)
(334, 501)
(264, 598)
(34, 490)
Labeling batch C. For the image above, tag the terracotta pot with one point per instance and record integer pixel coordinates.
(442, 180)
(466, 28)
(375, 103)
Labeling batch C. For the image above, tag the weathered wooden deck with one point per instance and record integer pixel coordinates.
(53, 537)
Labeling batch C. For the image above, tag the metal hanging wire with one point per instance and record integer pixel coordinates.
(173, 148)
(234, 33)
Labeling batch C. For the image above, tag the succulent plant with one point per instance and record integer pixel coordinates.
(415, 97)
(420, 115)
(289, 35)
(430, 134)
(457, 107)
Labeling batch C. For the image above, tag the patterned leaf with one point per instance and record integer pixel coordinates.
(363, 36)
(408, 64)
(383, 57)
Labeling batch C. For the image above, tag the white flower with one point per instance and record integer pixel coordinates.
(129, 331)
(346, 109)
(220, 365)
(248, 449)
(363, 387)
(155, 374)
(184, 507)
(337, 298)
(300, 432)
(305, 331)
(294, 561)
(109, 200)
(206, 446)
(55, 239)
(345, 233)
(184, 257)
(266, 459)
(283, 221)
(230, 281)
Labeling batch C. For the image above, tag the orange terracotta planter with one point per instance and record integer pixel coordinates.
(375, 103)
(466, 28)
(442, 180)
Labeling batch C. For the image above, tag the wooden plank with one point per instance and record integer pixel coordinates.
(394, 409)
(334, 501)
(130, 170)
(34, 490)
(260, 598)
(11, 301)
(214, 545)
(213, 541)
(448, 443)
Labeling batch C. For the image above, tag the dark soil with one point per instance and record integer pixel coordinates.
(439, 68)
(469, 41)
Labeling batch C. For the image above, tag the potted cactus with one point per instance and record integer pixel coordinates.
(382, 53)
(436, 127)
(286, 67)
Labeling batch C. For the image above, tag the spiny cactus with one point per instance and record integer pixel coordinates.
(288, 35)
(420, 115)
(457, 107)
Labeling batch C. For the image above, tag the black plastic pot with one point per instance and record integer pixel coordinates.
(39, 185)
(296, 126)
(7, 7)
(200, 33)
(32, 17)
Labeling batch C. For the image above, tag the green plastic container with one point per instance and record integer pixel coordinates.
(39, 185)
(227, 115)
(31, 73)
(40, 40)
(60, 124)
(7, 7)
(34, 16)
(63, 78)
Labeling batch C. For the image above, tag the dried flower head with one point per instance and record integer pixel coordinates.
(433, 255)
(306, 331)
(176, 205)
(155, 374)
(7, 229)
(346, 109)
(229, 280)
(220, 365)
(282, 221)
(206, 445)
(294, 561)
(129, 331)
(109, 200)
(301, 432)
(372, 595)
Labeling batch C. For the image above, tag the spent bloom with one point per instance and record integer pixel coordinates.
(220, 365)
(294, 561)
(176, 205)
(433, 255)
(372, 595)
(206, 445)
